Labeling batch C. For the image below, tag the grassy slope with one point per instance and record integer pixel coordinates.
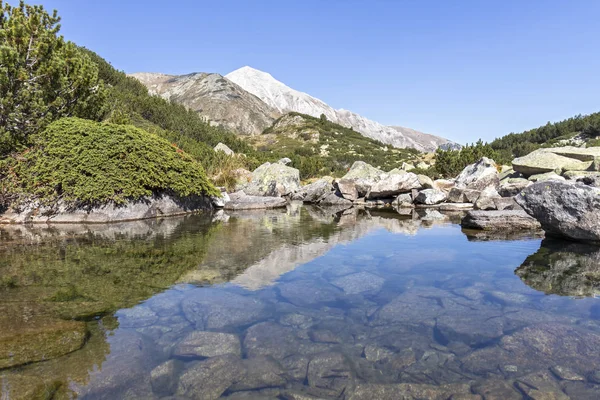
(323, 148)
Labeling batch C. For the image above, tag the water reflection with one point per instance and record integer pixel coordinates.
(299, 303)
(563, 268)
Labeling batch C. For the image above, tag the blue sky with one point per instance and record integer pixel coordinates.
(460, 69)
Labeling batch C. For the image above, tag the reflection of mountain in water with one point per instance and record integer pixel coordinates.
(265, 245)
(563, 268)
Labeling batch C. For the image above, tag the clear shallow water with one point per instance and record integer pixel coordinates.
(299, 304)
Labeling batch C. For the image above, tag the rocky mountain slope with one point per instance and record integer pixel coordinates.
(285, 99)
(217, 99)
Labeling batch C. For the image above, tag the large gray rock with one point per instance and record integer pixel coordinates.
(557, 159)
(203, 344)
(364, 176)
(462, 195)
(548, 176)
(430, 197)
(393, 185)
(333, 199)
(347, 189)
(241, 201)
(314, 192)
(486, 200)
(512, 186)
(499, 220)
(445, 185)
(403, 200)
(159, 205)
(273, 180)
(478, 176)
(565, 209)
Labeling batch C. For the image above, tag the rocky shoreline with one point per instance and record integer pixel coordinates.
(556, 190)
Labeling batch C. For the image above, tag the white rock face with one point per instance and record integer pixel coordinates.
(285, 99)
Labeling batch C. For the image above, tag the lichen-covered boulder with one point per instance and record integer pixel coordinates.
(565, 209)
(273, 180)
(364, 176)
(347, 189)
(499, 220)
(558, 159)
(314, 192)
(485, 201)
(478, 176)
(393, 185)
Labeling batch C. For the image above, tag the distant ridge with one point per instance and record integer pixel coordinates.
(285, 99)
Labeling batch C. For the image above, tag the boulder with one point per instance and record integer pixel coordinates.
(393, 185)
(423, 165)
(333, 199)
(564, 209)
(347, 189)
(241, 201)
(403, 200)
(445, 185)
(426, 182)
(506, 203)
(364, 176)
(220, 201)
(220, 147)
(407, 167)
(430, 197)
(461, 195)
(314, 192)
(478, 176)
(284, 161)
(512, 187)
(273, 180)
(485, 201)
(499, 220)
(558, 159)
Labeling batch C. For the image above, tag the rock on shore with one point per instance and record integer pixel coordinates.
(500, 220)
(566, 209)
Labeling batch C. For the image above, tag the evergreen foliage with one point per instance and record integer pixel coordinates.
(84, 163)
(503, 150)
(319, 147)
(42, 76)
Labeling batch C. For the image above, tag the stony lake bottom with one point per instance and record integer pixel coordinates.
(300, 303)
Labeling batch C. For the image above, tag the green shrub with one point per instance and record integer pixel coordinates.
(86, 162)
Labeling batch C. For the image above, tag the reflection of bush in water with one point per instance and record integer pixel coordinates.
(563, 268)
(85, 276)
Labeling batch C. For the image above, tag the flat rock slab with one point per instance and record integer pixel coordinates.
(241, 201)
(162, 205)
(500, 220)
(208, 344)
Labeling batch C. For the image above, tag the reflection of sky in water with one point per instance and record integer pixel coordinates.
(354, 312)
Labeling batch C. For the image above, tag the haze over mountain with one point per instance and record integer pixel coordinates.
(248, 101)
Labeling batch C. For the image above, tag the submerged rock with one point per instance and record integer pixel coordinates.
(359, 283)
(25, 339)
(213, 309)
(209, 379)
(200, 344)
(565, 209)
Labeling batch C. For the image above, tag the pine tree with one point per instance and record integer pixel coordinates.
(42, 76)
